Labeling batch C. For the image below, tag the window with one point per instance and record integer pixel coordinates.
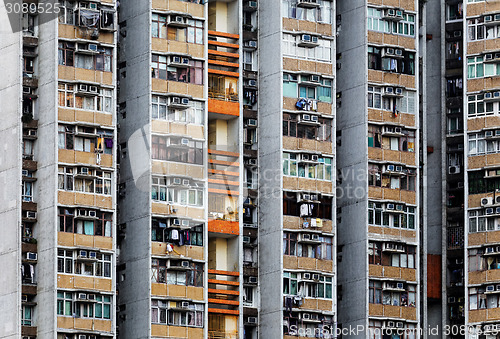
(290, 283)
(193, 33)
(377, 23)
(479, 299)
(27, 315)
(194, 114)
(478, 107)
(322, 169)
(64, 303)
(391, 215)
(374, 97)
(191, 275)
(389, 293)
(178, 149)
(320, 250)
(322, 92)
(374, 136)
(322, 52)
(479, 222)
(101, 102)
(480, 144)
(382, 62)
(172, 313)
(481, 183)
(475, 67)
(94, 181)
(323, 13)
(84, 223)
(383, 176)
(322, 210)
(192, 74)
(66, 53)
(28, 190)
(179, 195)
(99, 60)
(101, 309)
(99, 265)
(375, 253)
(454, 12)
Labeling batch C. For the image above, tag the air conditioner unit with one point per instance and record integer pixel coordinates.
(306, 316)
(246, 240)
(305, 37)
(454, 169)
(457, 34)
(390, 324)
(399, 324)
(93, 89)
(251, 122)
(314, 78)
(390, 51)
(81, 212)
(252, 83)
(390, 168)
(184, 141)
(315, 276)
(314, 118)
(488, 95)
(488, 134)
(185, 263)
(92, 47)
(185, 304)
(497, 17)
(252, 320)
(185, 222)
(488, 18)
(176, 19)
(82, 336)
(313, 197)
(176, 181)
(30, 214)
(489, 210)
(390, 12)
(398, 52)
(83, 88)
(306, 117)
(252, 280)
(315, 237)
(82, 254)
(31, 256)
(490, 288)
(306, 237)
(389, 90)
(185, 182)
(84, 170)
(92, 255)
(92, 214)
(306, 276)
(176, 59)
(488, 56)
(25, 173)
(92, 297)
(399, 168)
(490, 250)
(27, 90)
(251, 43)
(399, 286)
(176, 222)
(399, 14)
(24, 298)
(398, 91)
(82, 296)
(390, 206)
(487, 201)
(251, 162)
(314, 157)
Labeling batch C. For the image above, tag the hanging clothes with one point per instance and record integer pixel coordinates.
(304, 210)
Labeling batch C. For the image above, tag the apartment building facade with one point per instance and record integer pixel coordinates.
(378, 115)
(66, 168)
(481, 21)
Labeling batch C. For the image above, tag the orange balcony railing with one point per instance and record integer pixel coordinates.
(223, 292)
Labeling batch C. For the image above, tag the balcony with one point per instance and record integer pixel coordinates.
(223, 303)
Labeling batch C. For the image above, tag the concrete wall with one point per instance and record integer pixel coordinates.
(352, 203)
(46, 154)
(270, 176)
(135, 205)
(10, 178)
(433, 132)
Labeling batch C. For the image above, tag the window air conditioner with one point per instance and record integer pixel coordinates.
(488, 134)
(390, 168)
(390, 206)
(25, 173)
(252, 320)
(251, 43)
(306, 316)
(92, 255)
(389, 90)
(490, 249)
(490, 288)
(251, 162)
(390, 12)
(176, 181)
(487, 201)
(246, 239)
(306, 276)
(92, 47)
(24, 298)
(83, 88)
(252, 280)
(314, 118)
(390, 324)
(82, 296)
(184, 141)
(30, 214)
(185, 263)
(488, 56)
(399, 14)
(315, 276)
(82, 254)
(176, 59)
(84, 170)
(457, 34)
(91, 297)
(399, 324)
(26, 90)
(399, 91)
(488, 95)
(398, 52)
(31, 256)
(488, 18)
(252, 122)
(176, 222)
(315, 237)
(454, 169)
(92, 214)
(82, 336)
(314, 157)
(252, 83)
(489, 210)
(314, 78)
(399, 286)
(306, 117)
(306, 237)
(185, 182)
(399, 168)
(185, 61)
